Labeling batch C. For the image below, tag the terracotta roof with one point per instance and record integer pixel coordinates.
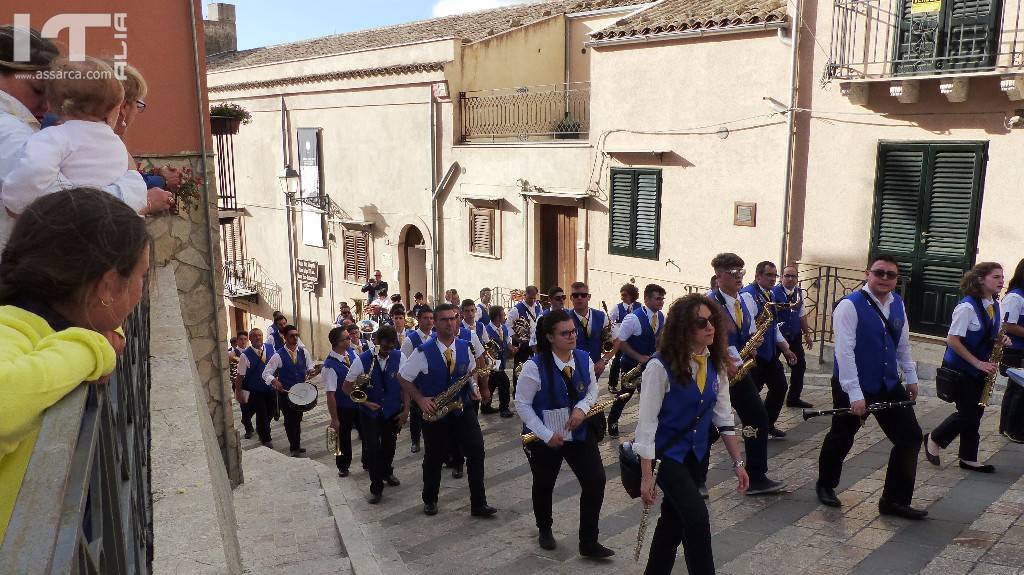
(329, 76)
(670, 16)
(469, 27)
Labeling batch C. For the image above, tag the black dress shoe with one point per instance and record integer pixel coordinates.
(430, 508)
(798, 403)
(827, 496)
(483, 511)
(487, 408)
(900, 510)
(1012, 437)
(393, 481)
(301, 450)
(343, 473)
(248, 435)
(776, 433)
(933, 459)
(765, 487)
(613, 429)
(374, 498)
(415, 448)
(986, 468)
(507, 414)
(595, 550)
(457, 473)
(547, 540)
(269, 444)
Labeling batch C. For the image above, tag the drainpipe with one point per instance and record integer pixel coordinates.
(433, 197)
(288, 211)
(794, 41)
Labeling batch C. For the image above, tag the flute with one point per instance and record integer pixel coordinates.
(881, 406)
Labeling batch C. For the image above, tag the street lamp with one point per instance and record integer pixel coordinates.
(288, 179)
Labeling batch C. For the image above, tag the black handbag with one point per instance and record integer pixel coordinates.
(946, 382)
(629, 462)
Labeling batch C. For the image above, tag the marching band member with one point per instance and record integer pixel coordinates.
(739, 316)
(872, 341)
(556, 390)
(413, 339)
(436, 365)
(483, 308)
(683, 383)
(972, 335)
(530, 309)
(240, 343)
(344, 313)
(590, 325)
(356, 339)
(1011, 417)
(556, 302)
(793, 324)
(768, 370)
(344, 412)
(638, 339)
(471, 331)
(384, 412)
(290, 365)
(498, 331)
(251, 363)
(274, 332)
(397, 314)
(629, 294)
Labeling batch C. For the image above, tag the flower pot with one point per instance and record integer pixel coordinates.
(221, 125)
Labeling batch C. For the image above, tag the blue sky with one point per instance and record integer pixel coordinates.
(266, 22)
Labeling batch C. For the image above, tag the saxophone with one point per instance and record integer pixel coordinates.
(749, 352)
(995, 358)
(598, 407)
(606, 332)
(448, 400)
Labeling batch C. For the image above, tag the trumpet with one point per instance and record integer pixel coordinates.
(333, 445)
(363, 382)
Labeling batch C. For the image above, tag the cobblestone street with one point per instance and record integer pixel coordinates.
(976, 522)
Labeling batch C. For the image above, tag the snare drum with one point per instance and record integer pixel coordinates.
(302, 396)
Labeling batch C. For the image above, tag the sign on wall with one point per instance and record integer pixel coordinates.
(309, 186)
(925, 6)
(308, 274)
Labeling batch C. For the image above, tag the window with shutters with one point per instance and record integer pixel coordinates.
(948, 35)
(233, 240)
(634, 213)
(482, 227)
(356, 250)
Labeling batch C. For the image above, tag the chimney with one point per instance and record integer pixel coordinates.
(220, 28)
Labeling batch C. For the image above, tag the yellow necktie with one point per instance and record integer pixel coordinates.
(991, 311)
(702, 370)
(448, 360)
(259, 354)
(347, 361)
(567, 370)
(739, 312)
(654, 322)
(501, 334)
(586, 325)
(292, 354)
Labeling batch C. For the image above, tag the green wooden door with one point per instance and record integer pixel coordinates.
(927, 199)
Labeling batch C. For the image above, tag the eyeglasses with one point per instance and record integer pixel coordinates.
(702, 322)
(579, 295)
(567, 333)
(790, 276)
(140, 105)
(885, 274)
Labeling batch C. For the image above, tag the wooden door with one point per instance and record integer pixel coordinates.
(556, 247)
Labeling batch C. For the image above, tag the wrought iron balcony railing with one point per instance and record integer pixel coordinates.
(86, 504)
(247, 278)
(527, 113)
(879, 39)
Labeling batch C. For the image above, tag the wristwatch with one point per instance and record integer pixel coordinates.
(738, 463)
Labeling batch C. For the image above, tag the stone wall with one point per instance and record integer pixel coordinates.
(187, 238)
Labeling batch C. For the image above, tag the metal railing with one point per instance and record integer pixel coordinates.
(526, 113)
(85, 503)
(247, 278)
(890, 38)
(227, 197)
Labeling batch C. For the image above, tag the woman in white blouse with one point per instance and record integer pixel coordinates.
(685, 389)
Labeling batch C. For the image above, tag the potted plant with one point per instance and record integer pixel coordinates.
(568, 128)
(225, 118)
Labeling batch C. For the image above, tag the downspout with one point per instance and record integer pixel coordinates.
(434, 193)
(794, 40)
(287, 211)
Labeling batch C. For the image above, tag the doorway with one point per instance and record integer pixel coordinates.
(556, 246)
(413, 264)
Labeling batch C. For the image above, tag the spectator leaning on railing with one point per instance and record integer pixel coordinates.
(72, 271)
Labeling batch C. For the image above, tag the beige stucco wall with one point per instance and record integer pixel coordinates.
(526, 56)
(678, 88)
(578, 29)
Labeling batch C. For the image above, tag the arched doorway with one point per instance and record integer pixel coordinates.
(413, 272)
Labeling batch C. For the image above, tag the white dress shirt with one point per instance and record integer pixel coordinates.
(965, 318)
(844, 329)
(630, 325)
(416, 363)
(474, 339)
(1012, 307)
(330, 376)
(529, 385)
(802, 310)
(408, 347)
(242, 367)
(750, 304)
(613, 316)
(357, 368)
(654, 387)
(275, 364)
(513, 315)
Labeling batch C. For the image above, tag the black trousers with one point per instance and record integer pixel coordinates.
(613, 371)
(584, 459)
(771, 373)
(499, 380)
(292, 422)
(966, 420)
(379, 437)
(684, 519)
(899, 425)
(248, 410)
(465, 428)
(1011, 416)
(348, 419)
(262, 406)
(415, 423)
(748, 405)
(796, 372)
(456, 459)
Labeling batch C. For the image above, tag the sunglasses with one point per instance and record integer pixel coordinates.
(702, 322)
(739, 272)
(567, 333)
(579, 295)
(885, 274)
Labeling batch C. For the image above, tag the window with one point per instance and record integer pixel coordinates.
(481, 231)
(357, 255)
(955, 34)
(634, 214)
(231, 237)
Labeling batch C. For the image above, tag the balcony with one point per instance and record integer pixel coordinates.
(905, 41)
(247, 279)
(526, 113)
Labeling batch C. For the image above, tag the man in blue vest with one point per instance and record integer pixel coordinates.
(440, 362)
(483, 308)
(793, 324)
(590, 324)
(251, 362)
(275, 337)
(344, 412)
(530, 309)
(638, 340)
(290, 365)
(629, 296)
(498, 332)
(872, 343)
(384, 412)
(413, 339)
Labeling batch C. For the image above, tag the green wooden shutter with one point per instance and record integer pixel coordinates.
(972, 30)
(634, 214)
(917, 41)
(620, 213)
(646, 234)
(897, 201)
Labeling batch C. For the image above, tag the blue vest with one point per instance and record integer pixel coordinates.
(275, 337)
(979, 342)
(526, 312)
(341, 399)
(739, 334)
(292, 373)
(788, 318)
(464, 334)
(253, 380)
(768, 350)
(623, 311)
(875, 349)
(482, 314)
(1017, 342)
(492, 332)
(681, 405)
(553, 394)
(590, 343)
(437, 378)
(415, 337)
(384, 388)
(480, 327)
(647, 342)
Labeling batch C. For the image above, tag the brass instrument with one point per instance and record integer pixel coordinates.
(518, 370)
(598, 408)
(629, 380)
(492, 353)
(995, 358)
(763, 323)
(411, 322)
(333, 445)
(607, 345)
(363, 382)
(357, 308)
(521, 329)
(448, 400)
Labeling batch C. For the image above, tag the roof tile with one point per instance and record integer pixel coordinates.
(682, 15)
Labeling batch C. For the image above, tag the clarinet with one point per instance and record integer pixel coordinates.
(881, 406)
